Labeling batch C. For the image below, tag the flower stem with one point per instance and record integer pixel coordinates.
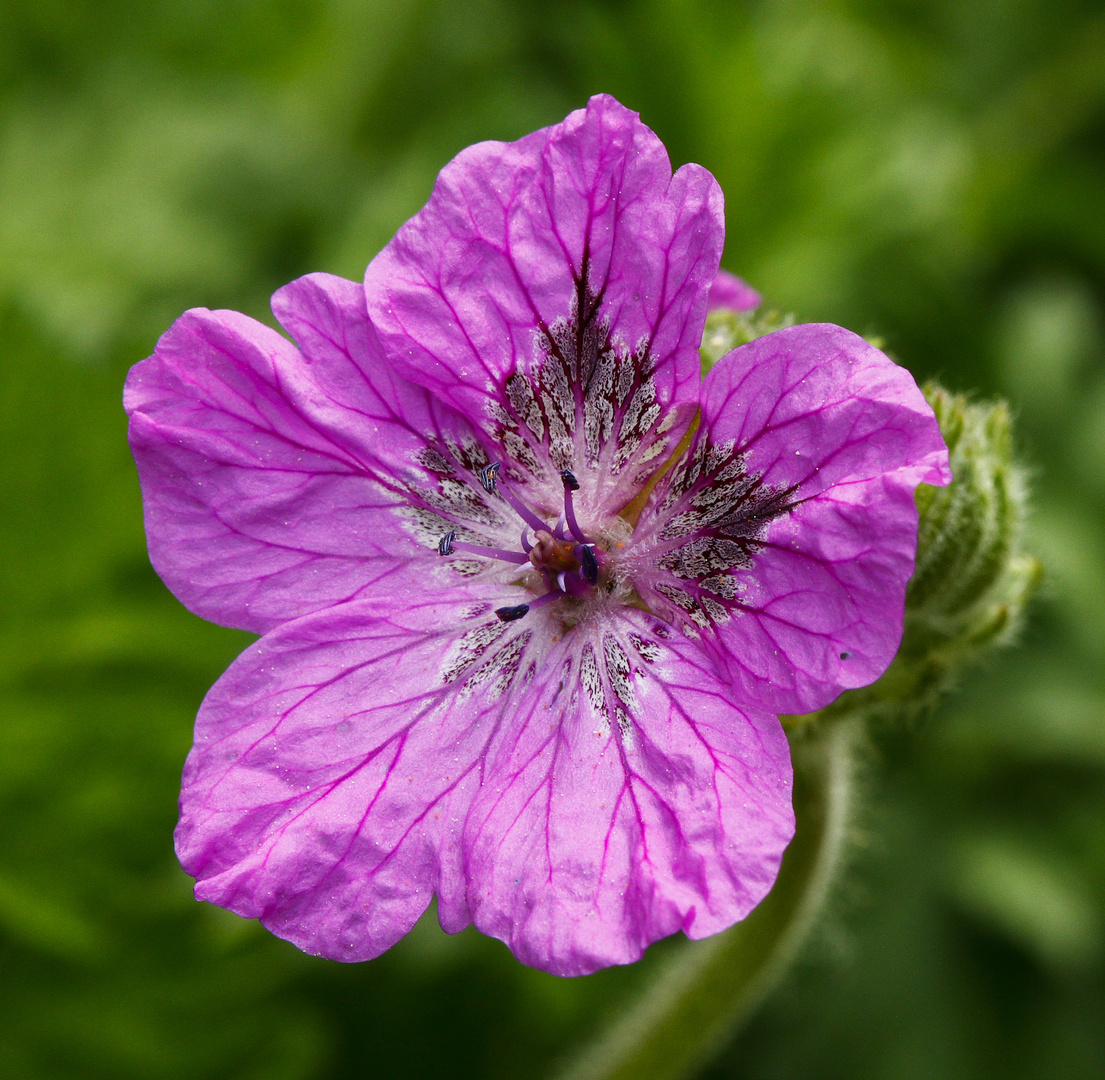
(699, 999)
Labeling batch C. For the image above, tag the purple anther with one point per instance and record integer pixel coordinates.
(489, 476)
(445, 544)
(570, 481)
(510, 614)
(588, 564)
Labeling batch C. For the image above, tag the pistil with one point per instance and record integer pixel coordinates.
(567, 561)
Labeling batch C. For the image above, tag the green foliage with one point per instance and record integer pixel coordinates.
(931, 171)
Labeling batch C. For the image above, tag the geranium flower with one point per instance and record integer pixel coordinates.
(513, 654)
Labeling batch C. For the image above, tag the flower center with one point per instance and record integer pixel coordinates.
(566, 559)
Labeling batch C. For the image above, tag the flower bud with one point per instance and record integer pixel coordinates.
(971, 577)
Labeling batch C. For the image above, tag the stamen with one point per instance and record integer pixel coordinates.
(571, 484)
(489, 475)
(589, 565)
(510, 614)
(489, 478)
(449, 545)
(492, 553)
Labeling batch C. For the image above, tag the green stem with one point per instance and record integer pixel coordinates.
(699, 999)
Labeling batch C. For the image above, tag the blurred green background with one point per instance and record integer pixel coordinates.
(929, 170)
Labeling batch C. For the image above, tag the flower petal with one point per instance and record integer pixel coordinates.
(626, 798)
(278, 481)
(787, 535)
(554, 290)
(334, 763)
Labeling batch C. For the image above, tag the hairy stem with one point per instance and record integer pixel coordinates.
(697, 1002)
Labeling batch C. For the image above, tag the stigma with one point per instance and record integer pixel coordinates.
(566, 559)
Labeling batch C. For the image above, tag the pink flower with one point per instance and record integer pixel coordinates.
(501, 660)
